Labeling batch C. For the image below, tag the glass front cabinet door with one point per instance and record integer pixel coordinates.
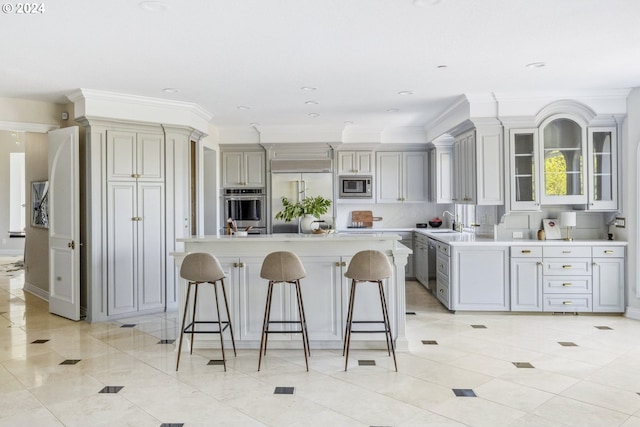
(525, 192)
(603, 170)
(562, 163)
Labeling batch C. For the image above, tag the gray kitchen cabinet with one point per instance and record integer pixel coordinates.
(243, 169)
(443, 282)
(421, 259)
(567, 279)
(526, 278)
(608, 279)
(400, 177)
(479, 278)
(477, 160)
(356, 162)
(440, 185)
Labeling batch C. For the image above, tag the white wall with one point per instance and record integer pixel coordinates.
(630, 189)
(8, 145)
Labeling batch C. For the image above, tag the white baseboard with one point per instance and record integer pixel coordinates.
(34, 290)
(632, 313)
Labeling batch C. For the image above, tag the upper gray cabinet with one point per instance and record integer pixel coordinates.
(355, 162)
(243, 169)
(478, 157)
(563, 161)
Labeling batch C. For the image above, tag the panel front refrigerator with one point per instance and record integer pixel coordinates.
(296, 186)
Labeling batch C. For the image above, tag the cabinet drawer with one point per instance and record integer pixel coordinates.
(608, 252)
(442, 291)
(567, 302)
(442, 265)
(421, 239)
(567, 267)
(567, 251)
(443, 248)
(567, 285)
(526, 251)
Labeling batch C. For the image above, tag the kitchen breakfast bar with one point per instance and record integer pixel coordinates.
(325, 289)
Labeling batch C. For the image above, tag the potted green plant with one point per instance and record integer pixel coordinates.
(309, 208)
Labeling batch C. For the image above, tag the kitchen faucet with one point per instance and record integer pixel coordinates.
(453, 218)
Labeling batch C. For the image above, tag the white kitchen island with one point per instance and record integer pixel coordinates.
(325, 290)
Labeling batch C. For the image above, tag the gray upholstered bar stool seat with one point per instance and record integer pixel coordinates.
(196, 269)
(283, 267)
(368, 266)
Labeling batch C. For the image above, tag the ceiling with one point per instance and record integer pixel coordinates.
(248, 62)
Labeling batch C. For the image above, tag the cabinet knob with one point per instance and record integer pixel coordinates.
(337, 263)
(242, 264)
(343, 264)
(595, 264)
(540, 263)
(236, 265)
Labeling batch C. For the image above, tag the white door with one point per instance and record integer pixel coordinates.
(64, 229)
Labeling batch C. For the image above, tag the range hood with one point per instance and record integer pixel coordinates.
(293, 165)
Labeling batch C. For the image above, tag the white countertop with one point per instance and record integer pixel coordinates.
(455, 238)
(294, 237)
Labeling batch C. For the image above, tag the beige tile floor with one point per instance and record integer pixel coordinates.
(595, 383)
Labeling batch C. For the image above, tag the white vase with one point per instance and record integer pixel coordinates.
(308, 223)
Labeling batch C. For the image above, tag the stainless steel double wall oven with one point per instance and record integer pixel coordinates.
(247, 207)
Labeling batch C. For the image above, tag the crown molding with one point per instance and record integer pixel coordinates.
(28, 127)
(118, 106)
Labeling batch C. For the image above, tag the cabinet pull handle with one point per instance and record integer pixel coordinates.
(567, 302)
(566, 252)
(567, 266)
(540, 263)
(525, 251)
(236, 265)
(595, 264)
(136, 218)
(567, 284)
(608, 252)
(343, 264)
(242, 264)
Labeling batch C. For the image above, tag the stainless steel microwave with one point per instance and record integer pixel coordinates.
(356, 187)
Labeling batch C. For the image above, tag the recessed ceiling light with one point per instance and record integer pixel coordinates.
(311, 102)
(421, 3)
(171, 90)
(154, 6)
(536, 65)
(393, 110)
(348, 122)
(243, 107)
(405, 92)
(308, 88)
(313, 114)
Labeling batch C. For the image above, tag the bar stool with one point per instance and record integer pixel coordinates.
(368, 266)
(283, 267)
(199, 268)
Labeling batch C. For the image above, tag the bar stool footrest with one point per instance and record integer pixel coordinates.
(200, 322)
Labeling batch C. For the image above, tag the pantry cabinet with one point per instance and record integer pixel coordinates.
(400, 177)
(135, 231)
(441, 160)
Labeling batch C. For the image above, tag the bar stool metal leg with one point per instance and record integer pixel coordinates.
(303, 327)
(224, 359)
(193, 319)
(226, 304)
(184, 319)
(385, 312)
(347, 342)
(265, 324)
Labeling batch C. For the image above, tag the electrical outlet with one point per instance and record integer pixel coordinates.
(517, 234)
(620, 222)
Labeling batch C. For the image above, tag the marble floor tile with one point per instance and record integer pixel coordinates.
(595, 383)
